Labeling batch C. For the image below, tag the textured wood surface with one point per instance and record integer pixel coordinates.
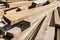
(30, 12)
(56, 17)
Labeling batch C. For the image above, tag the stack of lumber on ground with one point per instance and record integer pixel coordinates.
(19, 6)
(31, 24)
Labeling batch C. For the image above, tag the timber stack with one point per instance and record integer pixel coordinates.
(30, 20)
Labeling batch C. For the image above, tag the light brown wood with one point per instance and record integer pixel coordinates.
(1, 13)
(14, 32)
(18, 4)
(44, 26)
(46, 20)
(1, 39)
(58, 34)
(50, 33)
(50, 30)
(32, 19)
(25, 7)
(31, 12)
(52, 0)
(56, 17)
(29, 31)
(15, 0)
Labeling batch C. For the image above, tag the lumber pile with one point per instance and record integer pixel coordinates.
(30, 20)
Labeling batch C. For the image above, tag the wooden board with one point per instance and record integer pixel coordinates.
(32, 20)
(14, 32)
(17, 4)
(50, 30)
(44, 26)
(58, 34)
(18, 16)
(52, 0)
(56, 17)
(1, 13)
(22, 7)
(50, 33)
(25, 35)
(25, 7)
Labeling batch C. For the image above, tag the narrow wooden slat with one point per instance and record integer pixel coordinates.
(58, 34)
(56, 17)
(1, 13)
(58, 29)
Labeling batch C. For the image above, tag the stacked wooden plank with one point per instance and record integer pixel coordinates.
(38, 23)
(57, 22)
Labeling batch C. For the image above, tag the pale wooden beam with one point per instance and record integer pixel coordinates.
(56, 17)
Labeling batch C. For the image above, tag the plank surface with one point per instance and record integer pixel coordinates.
(14, 32)
(44, 26)
(56, 17)
(17, 4)
(15, 0)
(25, 36)
(31, 12)
(32, 20)
(1, 13)
(50, 33)
(50, 30)
(58, 34)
